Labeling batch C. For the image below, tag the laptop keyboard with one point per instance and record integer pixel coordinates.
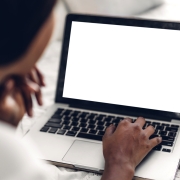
(92, 126)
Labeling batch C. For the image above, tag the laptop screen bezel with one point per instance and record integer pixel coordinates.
(111, 108)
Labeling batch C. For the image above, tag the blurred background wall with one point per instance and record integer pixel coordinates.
(153, 9)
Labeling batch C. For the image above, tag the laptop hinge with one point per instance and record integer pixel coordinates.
(175, 121)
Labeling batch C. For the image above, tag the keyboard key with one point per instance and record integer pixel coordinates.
(101, 115)
(163, 133)
(156, 123)
(53, 130)
(117, 121)
(99, 118)
(92, 131)
(101, 133)
(100, 128)
(75, 119)
(166, 150)
(175, 126)
(53, 125)
(167, 143)
(67, 127)
(57, 116)
(74, 124)
(91, 126)
(160, 127)
(71, 133)
(61, 131)
(75, 129)
(59, 111)
(82, 115)
(156, 132)
(82, 124)
(101, 123)
(166, 138)
(66, 113)
(90, 136)
(67, 118)
(84, 130)
(172, 134)
(66, 122)
(91, 116)
(44, 129)
(74, 114)
(92, 122)
(55, 120)
(147, 124)
(157, 148)
(84, 120)
(107, 119)
(171, 129)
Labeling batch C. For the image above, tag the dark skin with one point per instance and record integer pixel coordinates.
(123, 147)
(16, 95)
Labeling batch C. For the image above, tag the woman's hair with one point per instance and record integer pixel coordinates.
(20, 21)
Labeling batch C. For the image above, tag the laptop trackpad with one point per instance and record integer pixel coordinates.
(85, 154)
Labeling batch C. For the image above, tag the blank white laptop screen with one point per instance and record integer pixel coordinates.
(123, 65)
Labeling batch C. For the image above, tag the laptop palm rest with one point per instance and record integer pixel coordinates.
(86, 155)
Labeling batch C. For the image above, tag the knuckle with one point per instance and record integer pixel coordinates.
(141, 118)
(137, 127)
(124, 122)
(143, 136)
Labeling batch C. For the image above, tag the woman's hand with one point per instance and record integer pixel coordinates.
(12, 107)
(125, 147)
(16, 96)
(31, 85)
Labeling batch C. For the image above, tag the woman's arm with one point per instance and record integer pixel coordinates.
(125, 147)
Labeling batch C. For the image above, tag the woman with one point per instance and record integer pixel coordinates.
(26, 27)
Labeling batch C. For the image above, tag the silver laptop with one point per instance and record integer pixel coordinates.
(113, 68)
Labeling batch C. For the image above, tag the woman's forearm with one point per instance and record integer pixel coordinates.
(118, 173)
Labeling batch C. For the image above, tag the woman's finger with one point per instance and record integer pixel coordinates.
(149, 131)
(40, 76)
(27, 100)
(141, 121)
(38, 96)
(34, 77)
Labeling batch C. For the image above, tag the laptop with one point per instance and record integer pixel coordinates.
(112, 68)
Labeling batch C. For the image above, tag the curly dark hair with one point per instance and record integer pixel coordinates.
(20, 21)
